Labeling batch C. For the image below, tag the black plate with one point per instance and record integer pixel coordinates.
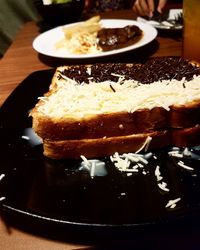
(61, 192)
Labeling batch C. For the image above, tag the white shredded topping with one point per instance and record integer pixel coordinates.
(129, 174)
(81, 100)
(148, 155)
(186, 152)
(182, 164)
(92, 169)
(94, 166)
(172, 203)
(2, 176)
(89, 70)
(163, 185)
(129, 162)
(145, 145)
(158, 174)
(2, 198)
(120, 76)
(194, 175)
(85, 160)
(144, 172)
(175, 154)
(43, 98)
(25, 137)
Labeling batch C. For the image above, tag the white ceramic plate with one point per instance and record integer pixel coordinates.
(45, 42)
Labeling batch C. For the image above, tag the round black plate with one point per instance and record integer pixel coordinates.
(63, 192)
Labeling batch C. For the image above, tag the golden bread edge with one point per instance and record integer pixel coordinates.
(92, 148)
(117, 124)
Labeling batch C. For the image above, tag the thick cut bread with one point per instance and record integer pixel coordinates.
(117, 124)
(100, 147)
(98, 109)
(114, 124)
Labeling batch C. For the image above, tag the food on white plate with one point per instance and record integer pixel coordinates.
(90, 37)
(81, 37)
(97, 110)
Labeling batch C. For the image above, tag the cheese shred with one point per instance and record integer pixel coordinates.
(70, 99)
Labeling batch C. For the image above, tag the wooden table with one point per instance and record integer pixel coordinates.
(19, 61)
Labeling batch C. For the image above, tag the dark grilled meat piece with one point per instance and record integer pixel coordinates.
(115, 38)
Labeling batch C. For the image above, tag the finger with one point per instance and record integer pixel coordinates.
(161, 5)
(141, 7)
(144, 6)
(151, 6)
(137, 9)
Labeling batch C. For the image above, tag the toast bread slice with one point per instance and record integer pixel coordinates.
(101, 147)
(118, 124)
(95, 133)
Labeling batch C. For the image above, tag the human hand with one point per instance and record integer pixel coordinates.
(147, 7)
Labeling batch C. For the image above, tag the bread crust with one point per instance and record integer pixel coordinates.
(187, 137)
(117, 124)
(100, 147)
(186, 115)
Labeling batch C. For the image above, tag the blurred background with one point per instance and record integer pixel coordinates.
(13, 14)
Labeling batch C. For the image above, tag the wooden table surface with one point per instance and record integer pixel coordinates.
(19, 61)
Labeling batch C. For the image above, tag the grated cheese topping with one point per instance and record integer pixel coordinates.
(158, 173)
(94, 166)
(172, 203)
(146, 144)
(2, 176)
(129, 162)
(175, 154)
(2, 198)
(163, 185)
(71, 99)
(182, 164)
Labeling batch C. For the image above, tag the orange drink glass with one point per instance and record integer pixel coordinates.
(191, 33)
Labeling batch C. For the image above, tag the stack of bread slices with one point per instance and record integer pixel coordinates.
(97, 110)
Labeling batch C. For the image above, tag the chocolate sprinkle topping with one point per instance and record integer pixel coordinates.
(155, 69)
